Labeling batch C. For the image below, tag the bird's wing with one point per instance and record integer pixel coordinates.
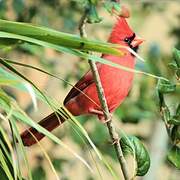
(83, 83)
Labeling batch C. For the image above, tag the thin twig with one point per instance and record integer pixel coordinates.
(108, 118)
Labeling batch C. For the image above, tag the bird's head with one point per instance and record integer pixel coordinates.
(123, 34)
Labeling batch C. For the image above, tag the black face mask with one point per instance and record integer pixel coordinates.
(128, 40)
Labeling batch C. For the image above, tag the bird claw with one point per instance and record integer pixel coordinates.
(109, 119)
(100, 115)
(115, 141)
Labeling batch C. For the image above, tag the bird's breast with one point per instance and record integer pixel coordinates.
(116, 82)
(116, 85)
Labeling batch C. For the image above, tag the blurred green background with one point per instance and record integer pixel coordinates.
(158, 22)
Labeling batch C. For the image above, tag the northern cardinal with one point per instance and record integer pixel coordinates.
(116, 84)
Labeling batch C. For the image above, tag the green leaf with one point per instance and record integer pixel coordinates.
(7, 43)
(23, 31)
(173, 66)
(175, 134)
(3, 175)
(174, 156)
(112, 5)
(4, 165)
(176, 55)
(176, 64)
(5, 152)
(174, 121)
(4, 98)
(132, 145)
(178, 111)
(165, 86)
(92, 14)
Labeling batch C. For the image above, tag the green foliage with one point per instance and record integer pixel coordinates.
(92, 14)
(64, 16)
(165, 86)
(176, 55)
(172, 121)
(132, 145)
(174, 156)
(8, 104)
(6, 167)
(111, 6)
(24, 31)
(176, 118)
(3, 8)
(39, 173)
(58, 163)
(18, 6)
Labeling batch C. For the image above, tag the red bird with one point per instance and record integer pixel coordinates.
(116, 84)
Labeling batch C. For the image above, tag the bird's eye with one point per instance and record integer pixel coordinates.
(126, 40)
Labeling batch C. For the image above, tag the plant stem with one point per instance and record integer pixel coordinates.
(108, 118)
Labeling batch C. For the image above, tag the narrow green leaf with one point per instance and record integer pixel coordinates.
(132, 145)
(84, 132)
(4, 97)
(21, 116)
(8, 82)
(52, 45)
(165, 86)
(4, 165)
(3, 175)
(22, 148)
(55, 37)
(5, 149)
(174, 156)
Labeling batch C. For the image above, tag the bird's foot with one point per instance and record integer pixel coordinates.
(100, 115)
(96, 112)
(103, 120)
(115, 141)
(109, 119)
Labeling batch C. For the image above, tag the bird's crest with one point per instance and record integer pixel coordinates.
(120, 31)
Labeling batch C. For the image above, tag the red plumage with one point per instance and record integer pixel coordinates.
(116, 84)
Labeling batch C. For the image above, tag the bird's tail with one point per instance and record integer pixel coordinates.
(31, 135)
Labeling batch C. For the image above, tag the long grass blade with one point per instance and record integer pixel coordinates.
(81, 54)
(82, 130)
(37, 126)
(57, 38)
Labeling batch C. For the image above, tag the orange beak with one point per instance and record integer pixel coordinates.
(137, 41)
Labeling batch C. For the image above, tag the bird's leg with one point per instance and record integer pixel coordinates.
(96, 112)
(100, 115)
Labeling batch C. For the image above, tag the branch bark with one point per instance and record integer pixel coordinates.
(108, 118)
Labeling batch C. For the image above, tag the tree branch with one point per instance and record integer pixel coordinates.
(108, 118)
